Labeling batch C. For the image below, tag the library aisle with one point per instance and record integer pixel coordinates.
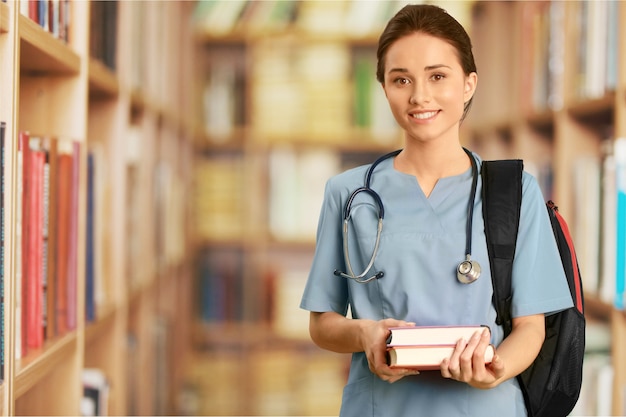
(161, 191)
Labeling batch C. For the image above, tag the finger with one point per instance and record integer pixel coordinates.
(470, 353)
(444, 368)
(453, 363)
(396, 374)
(478, 358)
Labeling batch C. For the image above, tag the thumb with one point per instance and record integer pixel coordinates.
(497, 366)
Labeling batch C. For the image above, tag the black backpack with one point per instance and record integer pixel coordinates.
(551, 385)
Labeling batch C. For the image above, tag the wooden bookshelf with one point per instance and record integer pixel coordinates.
(133, 121)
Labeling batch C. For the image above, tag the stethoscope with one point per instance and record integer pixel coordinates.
(467, 271)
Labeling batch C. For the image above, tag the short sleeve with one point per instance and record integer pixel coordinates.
(539, 284)
(324, 290)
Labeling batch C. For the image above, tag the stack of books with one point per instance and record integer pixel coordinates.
(425, 347)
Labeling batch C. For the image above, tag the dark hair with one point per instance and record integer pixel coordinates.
(431, 20)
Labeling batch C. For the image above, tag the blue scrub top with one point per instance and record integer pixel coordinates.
(422, 242)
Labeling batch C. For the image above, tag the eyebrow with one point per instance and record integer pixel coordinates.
(426, 68)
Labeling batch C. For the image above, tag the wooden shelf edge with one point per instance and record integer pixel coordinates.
(104, 317)
(41, 51)
(4, 18)
(596, 308)
(585, 108)
(38, 364)
(102, 81)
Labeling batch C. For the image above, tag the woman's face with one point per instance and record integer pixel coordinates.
(426, 87)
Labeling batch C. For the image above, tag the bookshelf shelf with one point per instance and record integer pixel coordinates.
(102, 81)
(598, 308)
(40, 51)
(35, 367)
(95, 329)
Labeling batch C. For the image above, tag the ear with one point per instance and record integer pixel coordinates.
(470, 86)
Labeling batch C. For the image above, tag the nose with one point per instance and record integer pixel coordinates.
(420, 93)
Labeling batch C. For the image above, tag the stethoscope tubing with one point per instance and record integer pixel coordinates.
(465, 277)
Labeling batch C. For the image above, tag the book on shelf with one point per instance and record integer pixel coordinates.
(597, 24)
(425, 357)
(223, 92)
(52, 15)
(90, 312)
(431, 335)
(43, 264)
(620, 170)
(96, 388)
(20, 348)
(370, 108)
(295, 199)
(608, 224)
(221, 286)
(219, 201)
(33, 238)
(2, 190)
(586, 224)
(66, 215)
(50, 241)
(103, 32)
(315, 75)
(218, 18)
(72, 281)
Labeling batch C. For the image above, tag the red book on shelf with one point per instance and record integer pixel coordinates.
(34, 254)
(425, 357)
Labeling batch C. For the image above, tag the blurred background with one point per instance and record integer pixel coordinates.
(289, 98)
(204, 132)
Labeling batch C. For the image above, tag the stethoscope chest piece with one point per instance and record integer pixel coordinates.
(468, 271)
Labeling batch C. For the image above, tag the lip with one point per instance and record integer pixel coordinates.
(424, 116)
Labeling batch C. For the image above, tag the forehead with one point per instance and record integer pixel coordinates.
(421, 50)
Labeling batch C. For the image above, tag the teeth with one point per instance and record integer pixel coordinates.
(424, 115)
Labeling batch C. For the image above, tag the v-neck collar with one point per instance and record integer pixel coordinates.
(442, 189)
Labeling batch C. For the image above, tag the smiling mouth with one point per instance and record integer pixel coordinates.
(424, 115)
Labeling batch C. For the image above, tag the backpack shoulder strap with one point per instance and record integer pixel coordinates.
(502, 199)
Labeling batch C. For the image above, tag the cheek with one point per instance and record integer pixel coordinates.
(397, 97)
(453, 97)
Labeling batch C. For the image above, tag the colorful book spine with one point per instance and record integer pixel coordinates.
(620, 272)
(72, 278)
(90, 310)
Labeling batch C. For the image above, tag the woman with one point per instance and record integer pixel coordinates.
(427, 71)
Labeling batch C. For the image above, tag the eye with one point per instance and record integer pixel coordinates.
(401, 81)
(437, 77)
